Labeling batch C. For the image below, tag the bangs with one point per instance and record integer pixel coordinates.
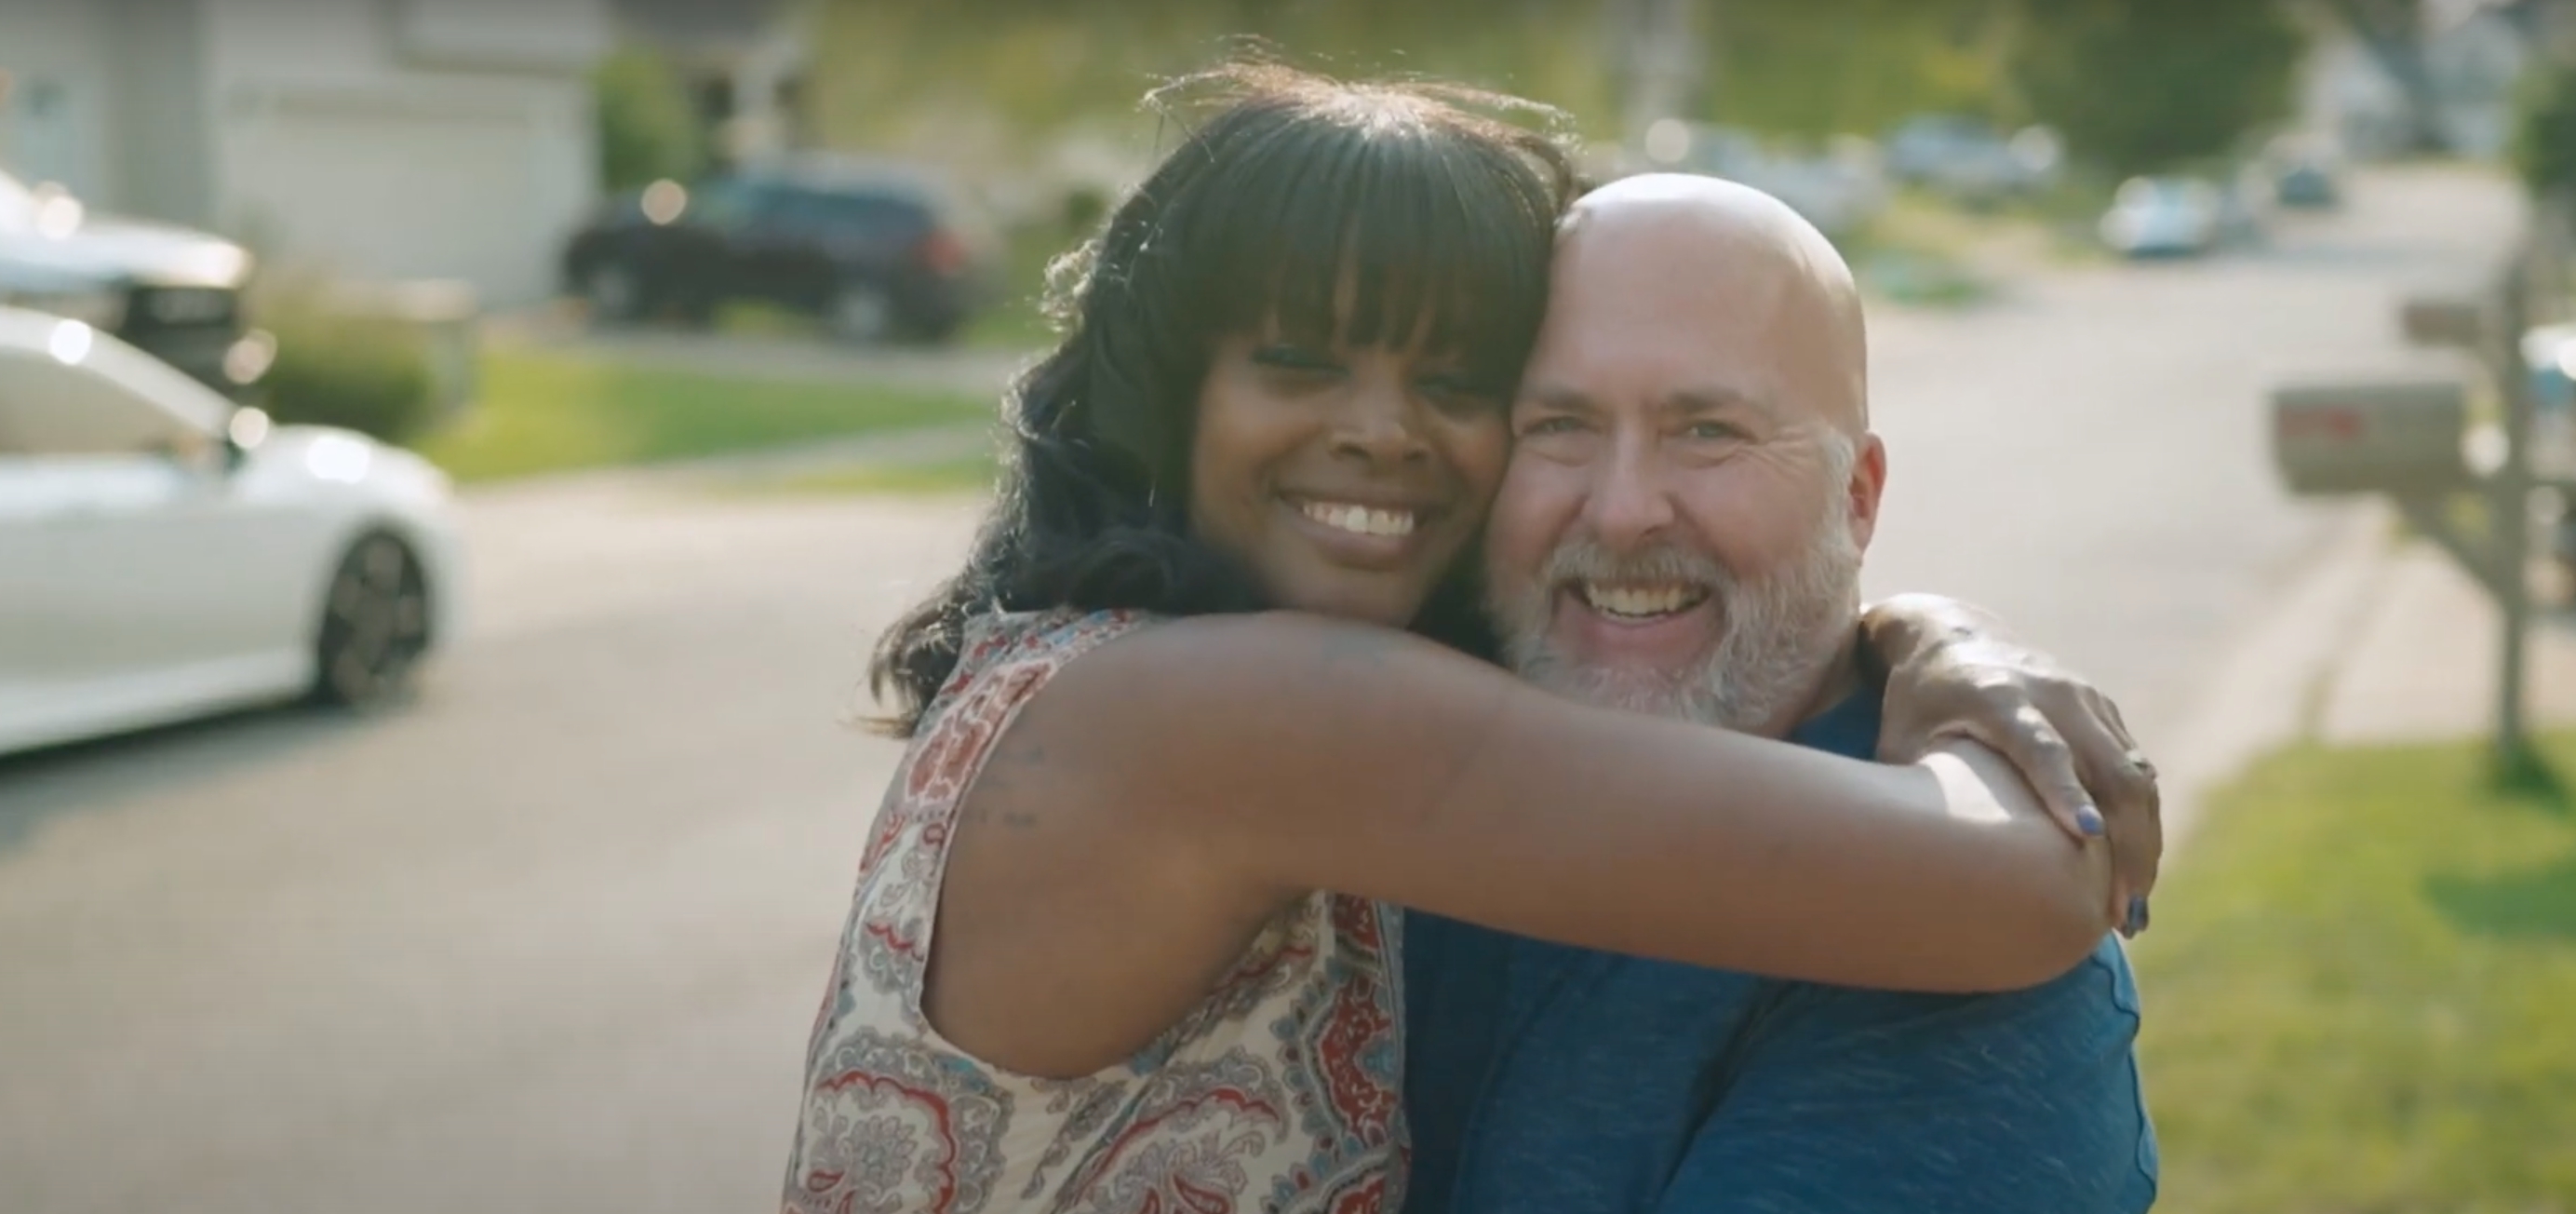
(1379, 232)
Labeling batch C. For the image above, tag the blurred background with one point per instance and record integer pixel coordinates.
(454, 458)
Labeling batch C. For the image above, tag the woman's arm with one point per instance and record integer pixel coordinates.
(1954, 670)
(1284, 753)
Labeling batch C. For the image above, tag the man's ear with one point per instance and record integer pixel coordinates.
(1868, 483)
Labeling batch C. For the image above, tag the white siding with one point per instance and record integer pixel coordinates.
(160, 140)
(339, 143)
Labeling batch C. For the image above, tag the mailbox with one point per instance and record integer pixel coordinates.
(2391, 435)
(2443, 320)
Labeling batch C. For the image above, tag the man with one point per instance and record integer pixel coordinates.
(1681, 532)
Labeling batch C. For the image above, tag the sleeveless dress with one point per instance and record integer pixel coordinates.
(1278, 1093)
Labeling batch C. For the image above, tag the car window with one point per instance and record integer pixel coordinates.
(52, 407)
(850, 216)
(730, 202)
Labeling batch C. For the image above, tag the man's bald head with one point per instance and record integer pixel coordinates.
(1693, 480)
(1740, 263)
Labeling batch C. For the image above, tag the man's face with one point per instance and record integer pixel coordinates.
(1681, 525)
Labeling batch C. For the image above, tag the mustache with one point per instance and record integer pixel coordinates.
(1584, 560)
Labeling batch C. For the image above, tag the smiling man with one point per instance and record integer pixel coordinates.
(1681, 532)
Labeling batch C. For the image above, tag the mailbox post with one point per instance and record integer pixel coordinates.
(2407, 437)
(2513, 486)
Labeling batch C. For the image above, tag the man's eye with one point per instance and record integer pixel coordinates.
(1559, 424)
(1715, 431)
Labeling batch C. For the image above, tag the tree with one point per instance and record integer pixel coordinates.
(2146, 85)
(2545, 129)
(1036, 67)
(648, 129)
(1827, 67)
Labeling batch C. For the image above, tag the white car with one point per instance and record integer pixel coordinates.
(166, 555)
(2165, 217)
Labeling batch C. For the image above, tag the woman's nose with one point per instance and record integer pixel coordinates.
(1377, 425)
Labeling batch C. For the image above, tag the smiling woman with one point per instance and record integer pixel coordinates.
(1121, 929)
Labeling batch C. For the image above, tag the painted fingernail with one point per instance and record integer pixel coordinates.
(2137, 920)
(2088, 819)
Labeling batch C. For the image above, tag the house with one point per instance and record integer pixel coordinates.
(376, 140)
(2473, 52)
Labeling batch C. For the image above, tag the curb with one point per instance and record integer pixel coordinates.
(2272, 678)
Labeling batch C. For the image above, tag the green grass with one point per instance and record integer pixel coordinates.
(547, 412)
(962, 475)
(2362, 991)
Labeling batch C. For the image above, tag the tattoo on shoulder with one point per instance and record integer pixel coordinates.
(1012, 759)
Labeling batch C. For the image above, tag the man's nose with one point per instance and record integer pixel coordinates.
(1629, 503)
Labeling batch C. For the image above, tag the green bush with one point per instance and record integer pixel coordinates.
(2545, 133)
(364, 373)
(648, 128)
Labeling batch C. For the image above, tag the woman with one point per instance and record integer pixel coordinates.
(1092, 962)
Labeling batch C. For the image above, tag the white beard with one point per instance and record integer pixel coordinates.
(1779, 631)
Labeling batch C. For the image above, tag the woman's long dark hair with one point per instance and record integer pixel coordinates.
(1426, 203)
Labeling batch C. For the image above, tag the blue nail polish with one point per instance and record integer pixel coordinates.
(2137, 921)
(2088, 819)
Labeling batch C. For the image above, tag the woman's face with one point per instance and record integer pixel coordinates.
(1348, 478)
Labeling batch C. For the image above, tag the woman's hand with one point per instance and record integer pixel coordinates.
(1956, 671)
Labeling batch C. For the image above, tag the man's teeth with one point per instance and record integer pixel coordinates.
(1361, 520)
(1641, 601)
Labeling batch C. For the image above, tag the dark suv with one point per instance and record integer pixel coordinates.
(877, 252)
(174, 293)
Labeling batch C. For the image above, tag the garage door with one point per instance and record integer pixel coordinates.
(399, 191)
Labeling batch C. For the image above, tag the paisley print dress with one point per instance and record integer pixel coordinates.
(1278, 1093)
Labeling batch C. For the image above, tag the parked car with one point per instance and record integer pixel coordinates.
(166, 554)
(2306, 184)
(170, 291)
(1968, 158)
(876, 251)
(2165, 217)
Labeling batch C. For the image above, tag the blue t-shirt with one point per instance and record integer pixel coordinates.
(1560, 1080)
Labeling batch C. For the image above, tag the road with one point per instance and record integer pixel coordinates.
(551, 939)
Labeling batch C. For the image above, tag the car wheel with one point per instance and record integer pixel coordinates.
(615, 292)
(861, 312)
(375, 625)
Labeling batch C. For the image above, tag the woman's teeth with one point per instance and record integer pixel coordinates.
(1360, 520)
(1641, 602)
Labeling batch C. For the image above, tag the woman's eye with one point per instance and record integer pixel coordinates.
(1462, 394)
(1295, 360)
